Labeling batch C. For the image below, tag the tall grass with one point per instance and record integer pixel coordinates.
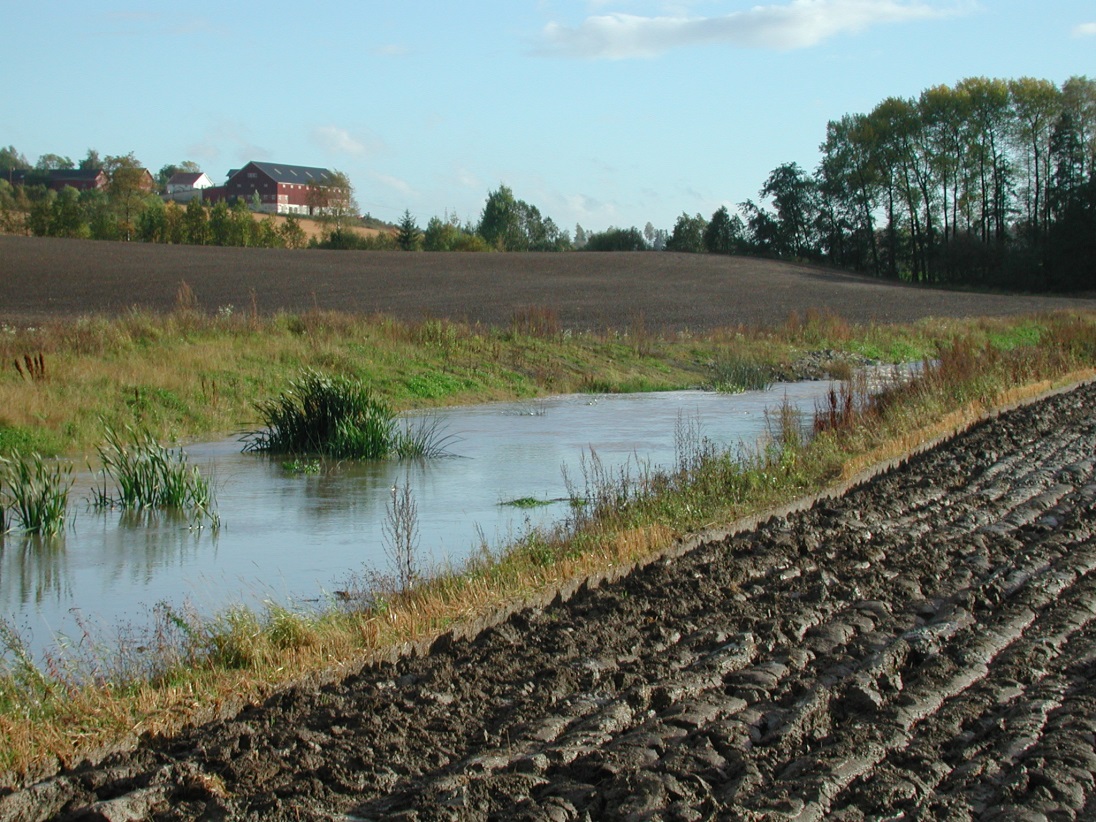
(35, 493)
(335, 416)
(147, 475)
(341, 418)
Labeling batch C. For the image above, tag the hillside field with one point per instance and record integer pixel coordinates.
(43, 278)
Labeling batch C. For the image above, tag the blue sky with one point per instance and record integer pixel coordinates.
(599, 112)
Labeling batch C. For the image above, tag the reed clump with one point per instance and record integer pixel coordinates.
(147, 475)
(35, 492)
(341, 418)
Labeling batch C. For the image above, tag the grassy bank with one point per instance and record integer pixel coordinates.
(190, 374)
(190, 666)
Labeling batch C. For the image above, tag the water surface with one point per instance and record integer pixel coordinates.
(293, 537)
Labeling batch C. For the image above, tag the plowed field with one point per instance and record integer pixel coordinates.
(42, 278)
(922, 646)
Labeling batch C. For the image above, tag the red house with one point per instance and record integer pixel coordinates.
(281, 189)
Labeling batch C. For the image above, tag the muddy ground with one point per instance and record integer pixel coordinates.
(922, 647)
(45, 278)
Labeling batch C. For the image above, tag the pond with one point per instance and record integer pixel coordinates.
(292, 536)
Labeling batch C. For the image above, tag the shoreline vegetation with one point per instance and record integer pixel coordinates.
(188, 374)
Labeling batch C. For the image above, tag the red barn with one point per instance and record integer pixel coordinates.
(58, 178)
(281, 189)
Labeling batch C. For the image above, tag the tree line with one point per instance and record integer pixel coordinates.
(989, 183)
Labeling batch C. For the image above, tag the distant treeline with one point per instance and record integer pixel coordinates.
(991, 183)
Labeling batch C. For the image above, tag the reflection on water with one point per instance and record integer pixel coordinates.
(32, 568)
(289, 535)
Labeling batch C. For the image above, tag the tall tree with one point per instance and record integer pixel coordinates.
(723, 232)
(500, 221)
(332, 201)
(127, 185)
(1036, 105)
(794, 197)
(688, 234)
(408, 235)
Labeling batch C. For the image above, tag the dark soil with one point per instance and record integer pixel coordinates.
(922, 647)
(42, 278)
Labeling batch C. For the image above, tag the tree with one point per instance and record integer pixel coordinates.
(128, 189)
(794, 199)
(12, 160)
(500, 222)
(220, 224)
(580, 236)
(617, 239)
(332, 201)
(196, 223)
(291, 232)
(688, 234)
(655, 237)
(68, 216)
(408, 237)
(509, 224)
(723, 232)
(52, 162)
(1037, 105)
(92, 161)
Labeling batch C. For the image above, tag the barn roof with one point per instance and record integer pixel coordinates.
(185, 178)
(302, 175)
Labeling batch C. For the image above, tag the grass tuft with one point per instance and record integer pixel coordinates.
(36, 493)
(147, 475)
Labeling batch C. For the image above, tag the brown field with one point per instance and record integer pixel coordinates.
(42, 278)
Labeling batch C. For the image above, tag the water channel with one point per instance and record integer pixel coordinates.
(293, 537)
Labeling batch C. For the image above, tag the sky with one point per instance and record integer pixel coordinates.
(599, 112)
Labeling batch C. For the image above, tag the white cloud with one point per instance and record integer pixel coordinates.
(394, 183)
(1085, 30)
(342, 141)
(794, 25)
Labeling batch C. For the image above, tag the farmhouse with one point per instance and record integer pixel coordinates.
(186, 185)
(276, 188)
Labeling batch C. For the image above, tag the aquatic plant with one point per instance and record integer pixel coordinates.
(335, 416)
(340, 417)
(146, 474)
(36, 493)
(734, 375)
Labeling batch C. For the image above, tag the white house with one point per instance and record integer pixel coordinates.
(186, 185)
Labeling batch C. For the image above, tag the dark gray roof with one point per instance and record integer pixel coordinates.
(185, 178)
(281, 173)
